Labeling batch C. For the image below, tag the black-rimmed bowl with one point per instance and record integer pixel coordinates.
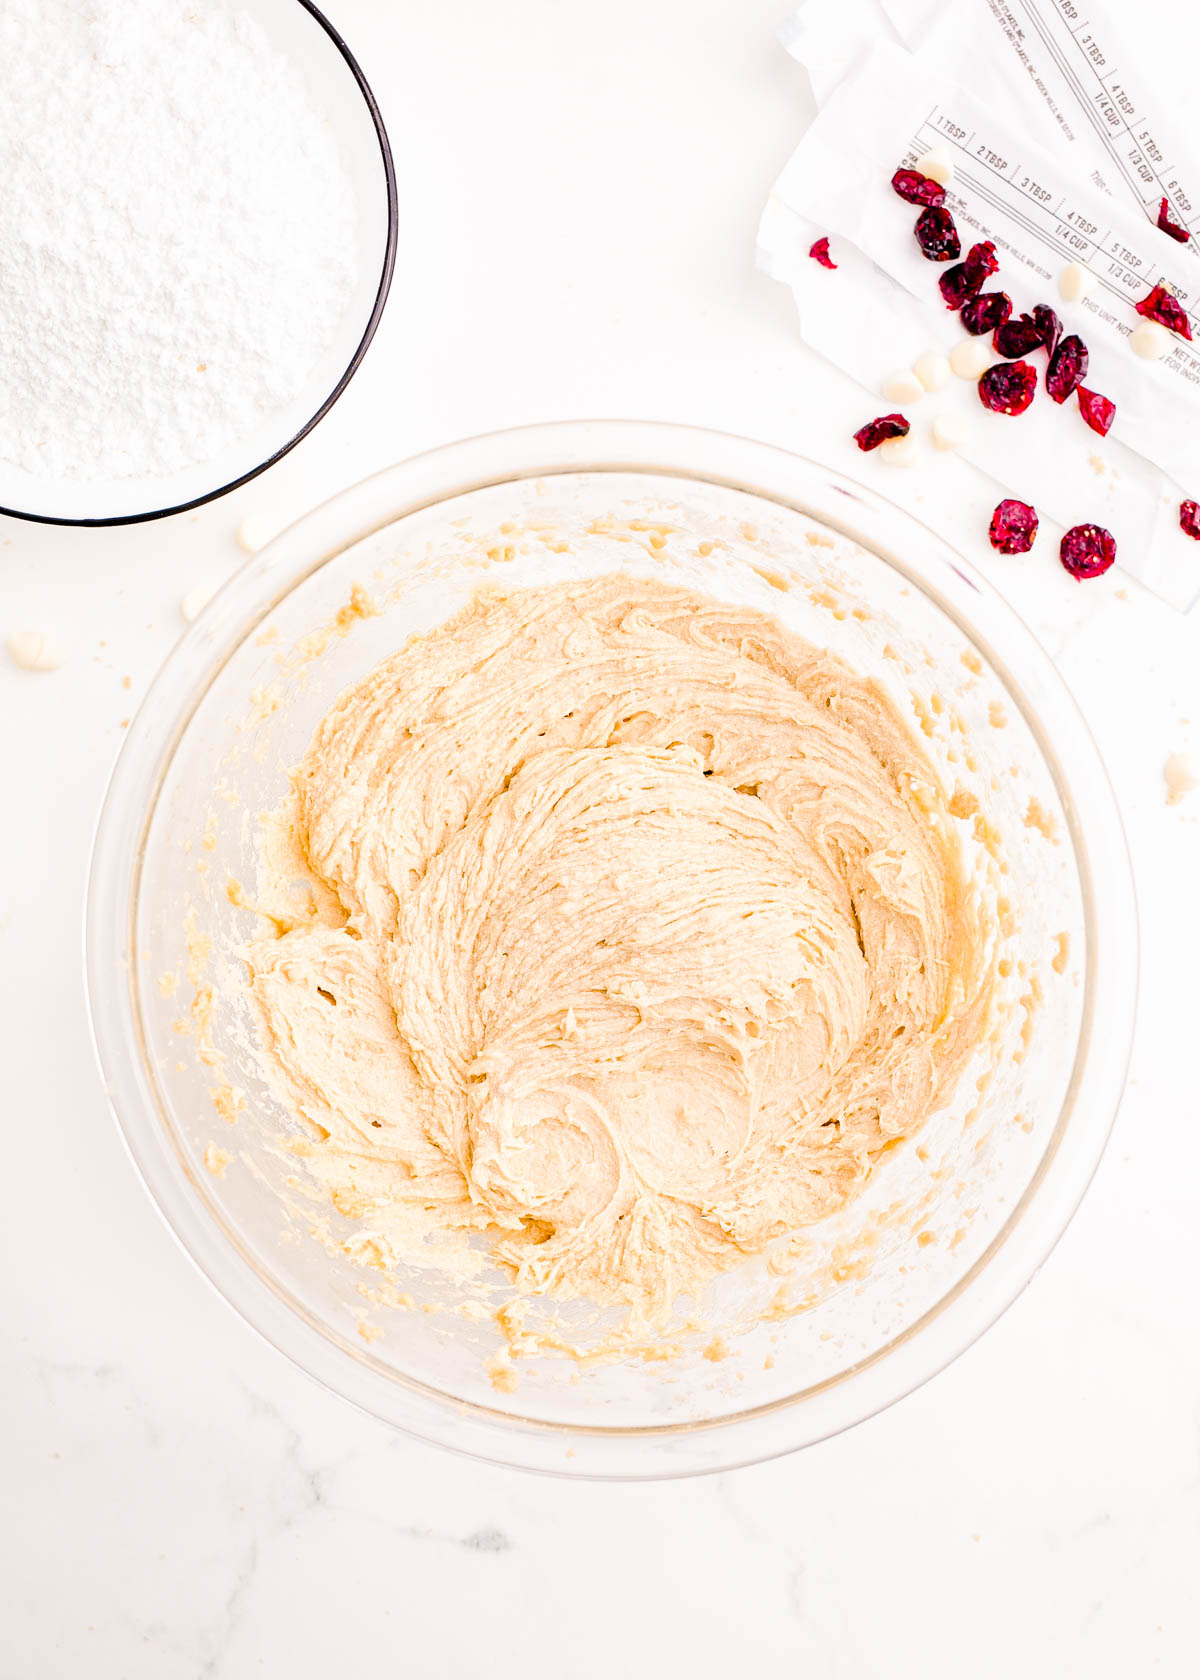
(310, 41)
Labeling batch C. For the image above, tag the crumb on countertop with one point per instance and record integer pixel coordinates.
(1180, 777)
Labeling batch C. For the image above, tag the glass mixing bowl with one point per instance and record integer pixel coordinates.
(953, 1223)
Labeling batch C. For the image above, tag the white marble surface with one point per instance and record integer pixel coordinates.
(580, 189)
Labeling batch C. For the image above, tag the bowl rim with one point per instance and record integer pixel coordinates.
(381, 295)
(1034, 1224)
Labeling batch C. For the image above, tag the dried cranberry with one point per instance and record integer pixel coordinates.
(963, 282)
(981, 261)
(1098, 411)
(937, 235)
(1168, 226)
(958, 286)
(1049, 325)
(1017, 338)
(1189, 519)
(1068, 365)
(878, 431)
(1087, 550)
(1163, 306)
(986, 312)
(917, 188)
(819, 252)
(1013, 528)
(1008, 387)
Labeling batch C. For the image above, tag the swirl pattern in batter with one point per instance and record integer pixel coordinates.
(624, 928)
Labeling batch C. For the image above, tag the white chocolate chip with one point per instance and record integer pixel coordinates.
(33, 650)
(194, 603)
(1076, 283)
(903, 386)
(933, 370)
(938, 165)
(1151, 340)
(255, 532)
(898, 451)
(950, 431)
(971, 357)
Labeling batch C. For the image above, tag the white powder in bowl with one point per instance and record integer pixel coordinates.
(177, 234)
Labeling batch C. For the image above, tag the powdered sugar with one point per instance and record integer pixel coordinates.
(177, 234)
